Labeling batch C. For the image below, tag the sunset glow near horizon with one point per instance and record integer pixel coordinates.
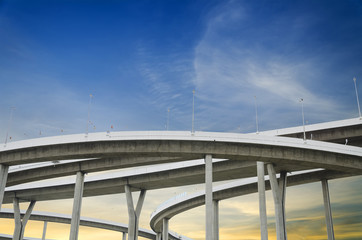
(141, 61)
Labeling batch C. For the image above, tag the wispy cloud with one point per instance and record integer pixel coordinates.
(168, 83)
(236, 60)
(245, 52)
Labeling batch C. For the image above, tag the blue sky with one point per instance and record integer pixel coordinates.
(140, 58)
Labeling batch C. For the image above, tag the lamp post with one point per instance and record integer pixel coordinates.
(355, 87)
(301, 101)
(193, 111)
(9, 124)
(89, 105)
(256, 116)
(168, 118)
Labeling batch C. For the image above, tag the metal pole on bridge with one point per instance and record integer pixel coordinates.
(355, 87)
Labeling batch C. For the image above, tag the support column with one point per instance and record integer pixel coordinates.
(4, 169)
(124, 236)
(282, 192)
(278, 204)
(262, 201)
(17, 219)
(77, 205)
(165, 229)
(44, 230)
(133, 214)
(209, 198)
(328, 210)
(158, 236)
(20, 224)
(216, 219)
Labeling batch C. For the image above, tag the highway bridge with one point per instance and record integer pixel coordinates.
(243, 155)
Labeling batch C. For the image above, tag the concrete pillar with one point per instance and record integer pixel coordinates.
(282, 192)
(328, 210)
(20, 224)
(208, 198)
(44, 230)
(77, 205)
(165, 229)
(158, 236)
(133, 214)
(26, 218)
(216, 219)
(4, 169)
(124, 236)
(277, 203)
(17, 219)
(262, 201)
(139, 205)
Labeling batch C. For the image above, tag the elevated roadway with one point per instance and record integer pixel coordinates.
(87, 222)
(10, 237)
(287, 154)
(150, 178)
(334, 131)
(130, 149)
(337, 131)
(230, 190)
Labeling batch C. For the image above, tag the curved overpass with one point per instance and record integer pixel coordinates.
(88, 222)
(10, 237)
(286, 153)
(128, 149)
(150, 178)
(184, 145)
(337, 131)
(230, 190)
(190, 173)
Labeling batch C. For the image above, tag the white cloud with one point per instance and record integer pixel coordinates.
(231, 69)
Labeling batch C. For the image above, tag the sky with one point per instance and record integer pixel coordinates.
(141, 61)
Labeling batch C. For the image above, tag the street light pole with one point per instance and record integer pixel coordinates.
(355, 87)
(89, 105)
(193, 111)
(9, 124)
(168, 118)
(301, 100)
(256, 116)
